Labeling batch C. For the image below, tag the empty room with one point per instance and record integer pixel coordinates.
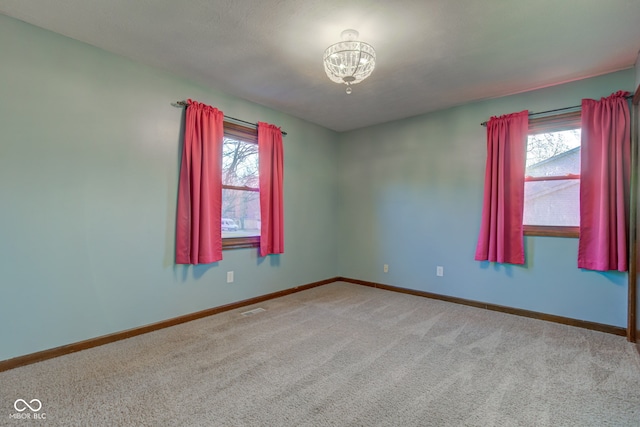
(299, 213)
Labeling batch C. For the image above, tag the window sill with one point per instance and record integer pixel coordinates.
(551, 231)
(240, 242)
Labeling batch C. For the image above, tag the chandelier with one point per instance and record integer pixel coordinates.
(349, 61)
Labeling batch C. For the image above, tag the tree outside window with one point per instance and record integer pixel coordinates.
(240, 187)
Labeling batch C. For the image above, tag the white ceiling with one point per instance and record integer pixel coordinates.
(432, 54)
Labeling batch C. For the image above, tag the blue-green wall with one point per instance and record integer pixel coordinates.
(89, 149)
(411, 197)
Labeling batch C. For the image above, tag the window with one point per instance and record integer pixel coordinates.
(552, 176)
(240, 187)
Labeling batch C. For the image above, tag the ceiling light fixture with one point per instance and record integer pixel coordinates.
(349, 61)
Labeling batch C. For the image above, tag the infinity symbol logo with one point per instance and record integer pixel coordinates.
(33, 408)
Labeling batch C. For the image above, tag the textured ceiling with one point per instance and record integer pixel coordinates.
(432, 54)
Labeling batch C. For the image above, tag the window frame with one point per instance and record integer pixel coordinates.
(548, 124)
(248, 135)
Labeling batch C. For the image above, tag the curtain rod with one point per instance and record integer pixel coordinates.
(181, 104)
(553, 111)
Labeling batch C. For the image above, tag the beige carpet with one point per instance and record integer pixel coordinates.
(341, 355)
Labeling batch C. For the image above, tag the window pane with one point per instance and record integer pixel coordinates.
(239, 163)
(553, 153)
(240, 213)
(552, 202)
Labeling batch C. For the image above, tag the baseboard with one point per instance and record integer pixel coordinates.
(615, 330)
(117, 336)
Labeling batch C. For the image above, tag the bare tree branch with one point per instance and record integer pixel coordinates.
(544, 146)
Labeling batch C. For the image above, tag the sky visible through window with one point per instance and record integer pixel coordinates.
(543, 146)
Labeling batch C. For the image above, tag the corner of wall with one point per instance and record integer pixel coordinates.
(637, 68)
(637, 118)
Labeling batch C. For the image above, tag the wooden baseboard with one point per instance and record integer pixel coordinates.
(615, 330)
(117, 336)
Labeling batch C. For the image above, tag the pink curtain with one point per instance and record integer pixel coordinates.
(270, 156)
(198, 222)
(604, 188)
(501, 238)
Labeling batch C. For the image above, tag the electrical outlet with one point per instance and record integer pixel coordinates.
(440, 271)
(385, 268)
(229, 276)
